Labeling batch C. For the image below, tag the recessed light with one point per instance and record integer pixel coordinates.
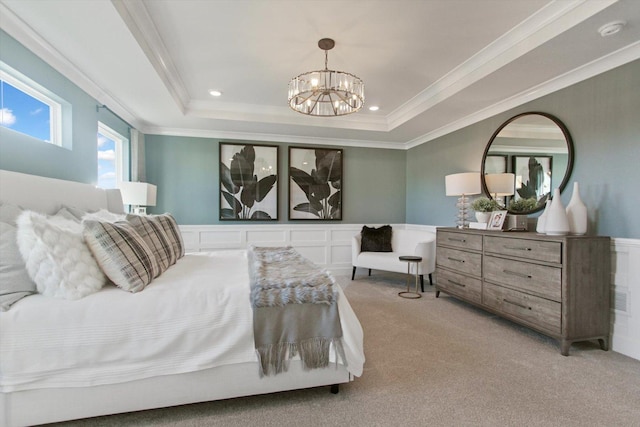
(611, 28)
(374, 108)
(215, 93)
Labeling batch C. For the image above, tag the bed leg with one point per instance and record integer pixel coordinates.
(430, 280)
(369, 272)
(422, 282)
(353, 273)
(335, 388)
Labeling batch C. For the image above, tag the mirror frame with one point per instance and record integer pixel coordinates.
(570, 154)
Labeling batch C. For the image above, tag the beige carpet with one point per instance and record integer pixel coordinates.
(437, 362)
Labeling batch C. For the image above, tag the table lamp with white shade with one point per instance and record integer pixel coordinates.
(463, 185)
(139, 195)
(500, 185)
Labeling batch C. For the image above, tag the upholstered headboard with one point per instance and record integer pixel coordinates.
(48, 195)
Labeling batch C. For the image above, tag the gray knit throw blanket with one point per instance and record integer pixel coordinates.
(295, 310)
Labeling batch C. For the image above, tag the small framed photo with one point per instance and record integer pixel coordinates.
(496, 220)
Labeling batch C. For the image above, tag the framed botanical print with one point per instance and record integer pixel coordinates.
(248, 182)
(533, 176)
(315, 183)
(495, 164)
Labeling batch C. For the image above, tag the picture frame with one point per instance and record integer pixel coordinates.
(248, 189)
(495, 164)
(497, 220)
(533, 176)
(315, 183)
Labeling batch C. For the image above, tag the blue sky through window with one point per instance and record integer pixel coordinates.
(106, 162)
(23, 113)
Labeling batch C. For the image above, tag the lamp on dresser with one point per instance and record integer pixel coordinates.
(463, 185)
(500, 185)
(139, 195)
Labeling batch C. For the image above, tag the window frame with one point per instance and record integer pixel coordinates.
(34, 90)
(120, 142)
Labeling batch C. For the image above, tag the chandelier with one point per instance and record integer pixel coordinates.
(326, 92)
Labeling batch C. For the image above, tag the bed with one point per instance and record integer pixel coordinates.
(187, 337)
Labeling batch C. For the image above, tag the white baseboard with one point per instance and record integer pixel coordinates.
(329, 245)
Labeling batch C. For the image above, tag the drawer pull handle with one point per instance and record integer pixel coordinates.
(456, 283)
(515, 273)
(518, 248)
(516, 304)
(455, 259)
(457, 240)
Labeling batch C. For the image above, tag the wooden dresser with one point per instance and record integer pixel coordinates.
(557, 285)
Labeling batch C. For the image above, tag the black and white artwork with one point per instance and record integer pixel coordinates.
(248, 182)
(533, 177)
(315, 183)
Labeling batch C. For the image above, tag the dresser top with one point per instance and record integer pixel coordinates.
(528, 235)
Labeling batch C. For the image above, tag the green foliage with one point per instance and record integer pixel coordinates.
(484, 204)
(523, 205)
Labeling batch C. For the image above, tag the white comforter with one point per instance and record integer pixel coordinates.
(197, 315)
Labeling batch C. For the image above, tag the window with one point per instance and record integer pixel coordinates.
(110, 157)
(30, 109)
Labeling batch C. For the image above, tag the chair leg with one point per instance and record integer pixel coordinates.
(422, 282)
(369, 272)
(430, 280)
(353, 273)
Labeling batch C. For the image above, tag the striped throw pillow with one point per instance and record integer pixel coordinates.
(170, 227)
(122, 254)
(155, 237)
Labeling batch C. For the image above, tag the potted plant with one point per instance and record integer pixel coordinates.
(483, 206)
(518, 209)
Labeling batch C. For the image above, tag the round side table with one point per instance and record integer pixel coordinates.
(411, 259)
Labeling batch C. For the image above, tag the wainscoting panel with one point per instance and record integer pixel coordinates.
(329, 245)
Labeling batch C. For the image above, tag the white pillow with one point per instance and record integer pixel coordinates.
(56, 256)
(104, 215)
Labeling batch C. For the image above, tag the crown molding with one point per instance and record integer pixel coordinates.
(25, 35)
(136, 17)
(269, 137)
(553, 19)
(608, 62)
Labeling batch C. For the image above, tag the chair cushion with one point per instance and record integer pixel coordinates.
(376, 239)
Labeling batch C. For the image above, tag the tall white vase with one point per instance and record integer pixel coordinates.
(542, 219)
(556, 222)
(577, 213)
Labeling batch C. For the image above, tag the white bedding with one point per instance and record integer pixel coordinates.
(196, 315)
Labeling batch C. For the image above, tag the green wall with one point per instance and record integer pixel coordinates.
(22, 153)
(186, 173)
(603, 117)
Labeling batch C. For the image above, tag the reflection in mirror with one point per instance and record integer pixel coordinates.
(537, 149)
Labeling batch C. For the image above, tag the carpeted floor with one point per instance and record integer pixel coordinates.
(436, 362)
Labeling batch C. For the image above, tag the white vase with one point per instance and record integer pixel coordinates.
(542, 219)
(577, 213)
(483, 217)
(556, 222)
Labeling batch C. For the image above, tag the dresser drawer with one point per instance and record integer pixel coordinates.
(536, 311)
(460, 240)
(459, 285)
(529, 249)
(540, 280)
(462, 261)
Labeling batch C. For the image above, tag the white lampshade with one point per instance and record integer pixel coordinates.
(138, 193)
(500, 184)
(465, 183)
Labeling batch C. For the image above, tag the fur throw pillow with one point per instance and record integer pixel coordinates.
(376, 239)
(56, 256)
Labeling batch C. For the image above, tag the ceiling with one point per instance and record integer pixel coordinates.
(432, 66)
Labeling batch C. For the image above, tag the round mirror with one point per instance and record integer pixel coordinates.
(536, 148)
